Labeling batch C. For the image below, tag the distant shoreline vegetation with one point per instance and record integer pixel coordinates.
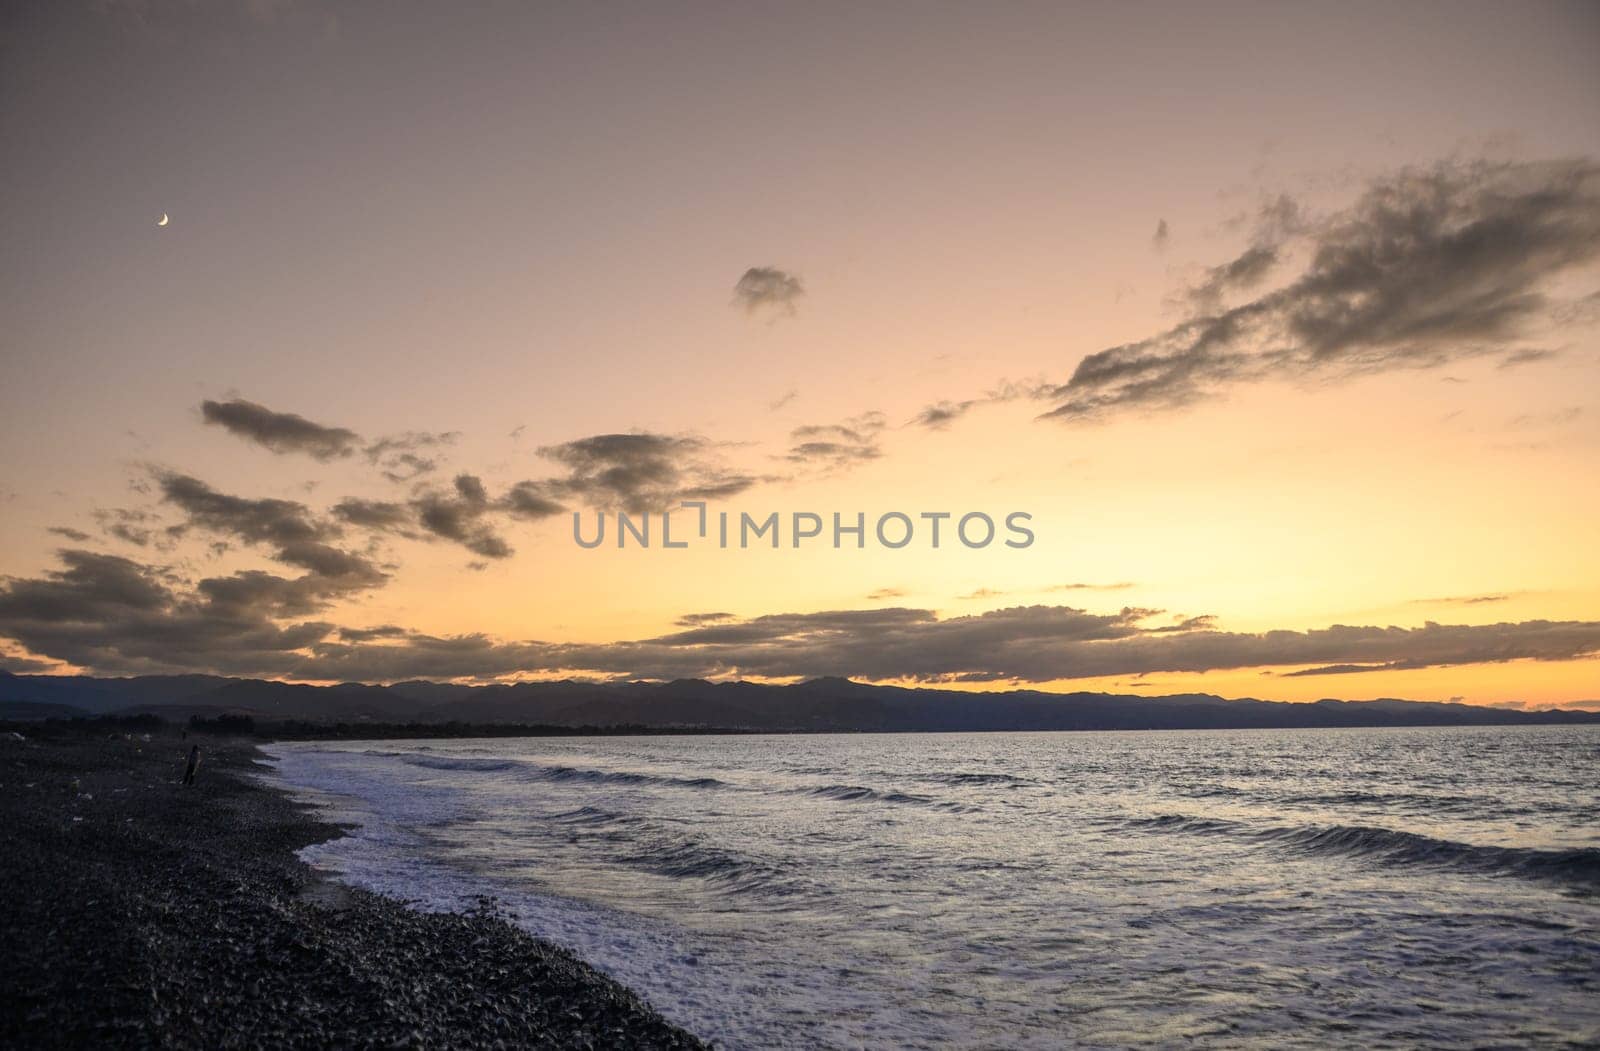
(892, 529)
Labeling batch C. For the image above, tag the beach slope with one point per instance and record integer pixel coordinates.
(140, 912)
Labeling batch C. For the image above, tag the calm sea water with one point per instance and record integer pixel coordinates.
(1268, 889)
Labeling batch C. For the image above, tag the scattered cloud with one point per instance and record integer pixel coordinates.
(884, 594)
(835, 447)
(768, 289)
(942, 414)
(289, 530)
(1528, 356)
(281, 432)
(1163, 234)
(1428, 267)
(460, 515)
(116, 616)
(399, 457)
(637, 473)
(1463, 600)
(77, 536)
(696, 620)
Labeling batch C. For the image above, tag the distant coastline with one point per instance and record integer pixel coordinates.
(566, 708)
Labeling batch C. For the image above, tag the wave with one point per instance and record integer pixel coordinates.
(1579, 866)
(979, 779)
(432, 762)
(535, 772)
(622, 777)
(860, 793)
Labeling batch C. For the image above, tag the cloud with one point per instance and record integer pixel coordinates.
(111, 614)
(1463, 600)
(637, 473)
(1026, 644)
(1120, 586)
(459, 516)
(524, 500)
(114, 615)
(696, 620)
(780, 402)
(398, 456)
(281, 432)
(1163, 234)
(766, 288)
(882, 594)
(75, 535)
(942, 414)
(1246, 271)
(294, 535)
(1527, 357)
(835, 447)
(374, 514)
(1428, 267)
(136, 526)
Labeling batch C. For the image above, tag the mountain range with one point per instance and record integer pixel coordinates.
(821, 705)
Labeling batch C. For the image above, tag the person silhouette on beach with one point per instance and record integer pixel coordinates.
(194, 764)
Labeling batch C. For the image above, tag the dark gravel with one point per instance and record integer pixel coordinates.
(140, 913)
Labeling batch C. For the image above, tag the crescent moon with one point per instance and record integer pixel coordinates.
(164, 220)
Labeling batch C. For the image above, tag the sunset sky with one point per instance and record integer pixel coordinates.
(1282, 324)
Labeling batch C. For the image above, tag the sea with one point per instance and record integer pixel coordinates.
(1254, 888)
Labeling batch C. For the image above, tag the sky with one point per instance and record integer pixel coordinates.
(1281, 325)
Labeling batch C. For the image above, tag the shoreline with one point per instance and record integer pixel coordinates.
(145, 913)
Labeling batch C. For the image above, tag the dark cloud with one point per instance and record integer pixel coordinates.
(637, 473)
(399, 457)
(766, 288)
(942, 414)
(1027, 644)
(837, 446)
(136, 526)
(882, 594)
(382, 631)
(464, 514)
(282, 432)
(374, 514)
(1244, 272)
(1428, 267)
(1163, 234)
(294, 535)
(114, 615)
(461, 516)
(75, 535)
(696, 620)
(525, 500)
